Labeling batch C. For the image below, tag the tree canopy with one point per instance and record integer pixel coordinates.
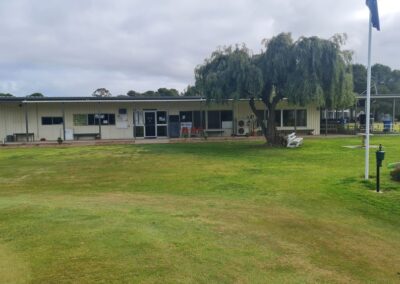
(161, 92)
(36, 95)
(308, 70)
(101, 92)
(164, 92)
(6, 95)
(384, 79)
(359, 78)
(229, 73)
(191, 91)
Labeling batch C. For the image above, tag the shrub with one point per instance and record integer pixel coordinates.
(395, 174)
(59, 140)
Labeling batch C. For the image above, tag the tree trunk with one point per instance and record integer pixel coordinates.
(269, 132)
(326, 122)
(260, 120)
(273, 138)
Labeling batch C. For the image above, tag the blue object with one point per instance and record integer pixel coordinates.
(373, 7)
(387, 125)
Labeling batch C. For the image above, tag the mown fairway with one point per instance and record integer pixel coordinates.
(205, 213)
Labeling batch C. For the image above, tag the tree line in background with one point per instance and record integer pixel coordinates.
(161, 92)
(34, 95)
(384, 81)
(103, 92)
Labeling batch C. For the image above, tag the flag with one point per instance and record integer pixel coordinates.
(373, 7)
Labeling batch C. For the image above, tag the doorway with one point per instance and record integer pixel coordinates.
(150, 124)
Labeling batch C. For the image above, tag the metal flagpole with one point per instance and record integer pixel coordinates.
(368, 100)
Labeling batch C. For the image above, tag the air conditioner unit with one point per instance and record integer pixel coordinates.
(242, 127)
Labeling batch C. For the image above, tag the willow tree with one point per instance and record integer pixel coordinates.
(322, 73)
(230, 73)
(309, 70)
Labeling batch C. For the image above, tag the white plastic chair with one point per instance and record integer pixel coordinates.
(293, 141)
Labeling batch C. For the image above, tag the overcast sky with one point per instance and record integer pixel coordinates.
(72, 47)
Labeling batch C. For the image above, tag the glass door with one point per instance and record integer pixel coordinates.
(150, 124)
(162, 124)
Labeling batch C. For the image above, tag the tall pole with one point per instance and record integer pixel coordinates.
(367, 105)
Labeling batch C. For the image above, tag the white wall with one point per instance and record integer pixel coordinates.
(12, 119)
(313, 117)
(12, 116)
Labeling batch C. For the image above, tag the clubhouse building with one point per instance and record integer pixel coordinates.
(83, 118)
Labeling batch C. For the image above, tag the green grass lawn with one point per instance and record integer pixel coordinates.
(205, 213)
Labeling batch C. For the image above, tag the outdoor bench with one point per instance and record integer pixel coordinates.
(77, 136)
(21, 137)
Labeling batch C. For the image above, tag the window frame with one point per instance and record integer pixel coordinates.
(51, 120)
(296, 121)
(217, 124)
(91, 119)
(221, 117)
(186, 112)
(298, 116)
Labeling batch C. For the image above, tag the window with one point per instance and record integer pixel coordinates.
(139, 118)
(93, 119)
(226, 115)
(47, 120)
(289, 118)
(52, 120)
(301, 118)
(58, 120)
(199, 119)
(214, 120)
(122, 111)
(161, 117)
(185, 116)
(278, 118)
(111, 119)
(218, 119)
(80, 119)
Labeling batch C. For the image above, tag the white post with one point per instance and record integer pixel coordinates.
(368, 100)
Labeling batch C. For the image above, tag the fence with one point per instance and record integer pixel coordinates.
(354, 128)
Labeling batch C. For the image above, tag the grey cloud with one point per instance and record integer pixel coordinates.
(73, 47)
